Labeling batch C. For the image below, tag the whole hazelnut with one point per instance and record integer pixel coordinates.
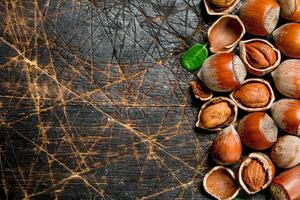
(286, 151)
(227, 147)
(290, 9)
(257, 131)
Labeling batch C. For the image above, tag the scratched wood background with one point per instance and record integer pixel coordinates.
(93, 101)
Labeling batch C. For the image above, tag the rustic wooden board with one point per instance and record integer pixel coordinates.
(93, 101)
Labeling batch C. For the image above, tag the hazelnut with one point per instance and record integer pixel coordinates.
(255, 173)
(260, 17)
(286, 185)
(290, 9)
(286, 151)
(227, 147)
(200, 91)
(220, 7)
(286, 114)
(220, 183)
(257, 131)
(259, 56)
(286, 78)
(223, 72)
(232, 30)
(254, 95)
(287, 39)
(217, 113)
(222, 3)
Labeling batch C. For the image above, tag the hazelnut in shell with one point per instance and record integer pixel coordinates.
(232, 30)
(220, 7)
(254, 95)
(216, 114)
(259, 56)
(220, 183)
(258, 131)
(290, 9)
(287, 78)
(227, 147)
(260, 17)
(255, 173)
(286, 185)
(286, 151)
(223, 72)
(286, 114)
(287, 39)
(200, 91)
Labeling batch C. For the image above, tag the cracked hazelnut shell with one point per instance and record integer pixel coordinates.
(286, 151)
(260, 17)
(286, 114)
(257, 131)
(223, 72)
(259, 56)
(227, 147)
(254, 95)
(232, 30)
(200, 91)
(216, 114)
(220, 182)
(286, 185)
(220, 7)
(255, 173)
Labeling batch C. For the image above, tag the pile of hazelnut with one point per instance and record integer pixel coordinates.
(258, 130)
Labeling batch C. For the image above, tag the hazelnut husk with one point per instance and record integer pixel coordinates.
(254, 95)
(223, 72)
(257, 131)
(255, 173)
(227, 147)
(286, 78)
(287, 39)
(290, 9)
(232, 30)
(220, 7)
(286, 185)
(220, 183)
(259, 56)
(260, 17)
(286, 114)
(286, 151)
(216, 114)
(200, 91)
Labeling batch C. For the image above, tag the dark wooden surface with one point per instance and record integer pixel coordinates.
(93, 101)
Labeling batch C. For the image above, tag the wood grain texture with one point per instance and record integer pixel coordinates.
(94, 103)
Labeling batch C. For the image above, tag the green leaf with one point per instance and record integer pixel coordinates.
(194, 57)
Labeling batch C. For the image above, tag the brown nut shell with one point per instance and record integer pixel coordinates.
(216, 114)
(287, 78)
(251, 172)
(286, 114)
(257, 131)
(286, 151)
(287, 39)
(220, 7)
(260, 17)
(200, 91)
(220, 183)
(286, 185)
(290, 9)
(232, 30)
(254, 95)
(223, 72)
(227, 147)
(259, 56)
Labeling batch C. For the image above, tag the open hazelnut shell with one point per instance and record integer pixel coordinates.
(212, 9)
(217, 113)
(254, 95)
(232, 30)
(259, 56)
(201, 91)
(259, 176)
(220, 182)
